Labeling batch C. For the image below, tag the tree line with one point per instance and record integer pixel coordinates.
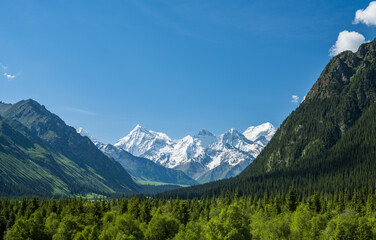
(289, 216)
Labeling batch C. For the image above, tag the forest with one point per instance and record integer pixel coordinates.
(349, 215)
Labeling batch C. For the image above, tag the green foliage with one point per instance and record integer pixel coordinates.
(244, 218)
(230, 224)
(181, 213)
(161, 227)
(193, 231)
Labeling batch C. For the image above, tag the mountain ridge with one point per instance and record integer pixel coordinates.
(76, 154)
(199, 154)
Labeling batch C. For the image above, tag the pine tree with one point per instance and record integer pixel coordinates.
(181, 213)
(123, 205)
(316, 203)
(145, 212)
(292, 199)
(52, 206)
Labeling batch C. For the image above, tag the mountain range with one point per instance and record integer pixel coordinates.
(204, 156)
(141, 169)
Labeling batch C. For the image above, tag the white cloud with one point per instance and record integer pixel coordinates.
(9, 76)
(366, 16)
(304, 98)
(347, 41)
(294, 99)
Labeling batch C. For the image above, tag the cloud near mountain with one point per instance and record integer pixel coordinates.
(347, 41)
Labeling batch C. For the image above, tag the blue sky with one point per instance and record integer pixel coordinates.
(171, 66)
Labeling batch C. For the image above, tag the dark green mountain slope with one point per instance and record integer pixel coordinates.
(78, 163)
(327, 144)
(28, 166)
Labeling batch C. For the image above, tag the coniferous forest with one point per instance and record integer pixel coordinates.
(339, 216)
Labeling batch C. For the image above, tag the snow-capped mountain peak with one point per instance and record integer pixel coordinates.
(205, 138)
(200, 154)
(140, 132)
(138, 128)
(235, 139)
(255, 132)
(231, 136)
(141, 140)
(232, 133)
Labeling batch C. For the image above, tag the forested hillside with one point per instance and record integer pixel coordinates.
(326, 145)
(41, 155)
